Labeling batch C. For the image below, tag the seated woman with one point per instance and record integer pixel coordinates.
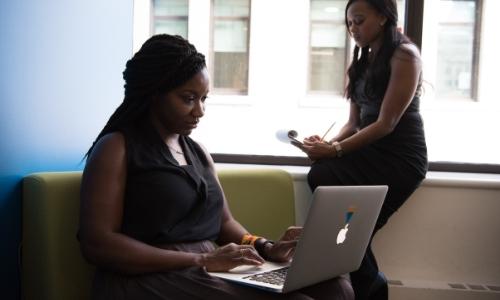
(383, 140)
(151, 204)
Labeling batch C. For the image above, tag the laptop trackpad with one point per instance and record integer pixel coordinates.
(239, 271)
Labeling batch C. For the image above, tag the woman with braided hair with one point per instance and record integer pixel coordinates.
(151, 204)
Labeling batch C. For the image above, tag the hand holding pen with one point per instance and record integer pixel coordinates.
(327, 131)
(315, 146)
(316, 138)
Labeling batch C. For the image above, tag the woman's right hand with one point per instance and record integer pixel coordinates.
(312, 139)
(230, 256)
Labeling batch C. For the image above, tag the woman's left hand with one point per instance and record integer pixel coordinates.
(283, 249)
(318, 149)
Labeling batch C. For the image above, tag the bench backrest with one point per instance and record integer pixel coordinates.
(52, 265)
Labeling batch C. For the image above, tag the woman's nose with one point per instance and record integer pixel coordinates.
(199, 109)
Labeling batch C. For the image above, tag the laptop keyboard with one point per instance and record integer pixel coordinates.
(276, 277)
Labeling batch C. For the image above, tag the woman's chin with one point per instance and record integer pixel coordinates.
(361, 45)
(186, 132)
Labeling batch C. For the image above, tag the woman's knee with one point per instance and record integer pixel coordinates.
(347, 292)
(319, 175)
(312, 177)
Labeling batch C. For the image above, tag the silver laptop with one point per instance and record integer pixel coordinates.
(336, 233)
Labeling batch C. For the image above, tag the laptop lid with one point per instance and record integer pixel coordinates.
(335, 235)
(337, 231)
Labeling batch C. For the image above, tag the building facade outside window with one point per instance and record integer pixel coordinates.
(328, 44)
(459, 61)
(458, 46)
(170, 16)
(230, 36)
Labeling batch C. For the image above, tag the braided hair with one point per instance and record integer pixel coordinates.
(163, 63)
(377, 76)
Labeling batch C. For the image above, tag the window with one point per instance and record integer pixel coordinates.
(231, 26)
(459, 55)
(170, 16)
(451, 47)
(456, 49)
(279, 64)
(328, 41)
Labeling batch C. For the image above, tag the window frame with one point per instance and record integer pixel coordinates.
(476, 50)
(438, 166)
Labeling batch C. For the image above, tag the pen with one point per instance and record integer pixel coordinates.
(324, 135)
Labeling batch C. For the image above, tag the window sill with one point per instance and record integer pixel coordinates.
(433, 178)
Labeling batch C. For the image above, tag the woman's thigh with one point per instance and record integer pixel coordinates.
(195, 283)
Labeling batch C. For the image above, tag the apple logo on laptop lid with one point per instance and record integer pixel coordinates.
(341, 236)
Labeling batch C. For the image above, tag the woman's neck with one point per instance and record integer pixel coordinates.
(167, 137)
(172, 140)
(375, 47)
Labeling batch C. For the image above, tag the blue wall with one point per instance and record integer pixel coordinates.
(60, 78)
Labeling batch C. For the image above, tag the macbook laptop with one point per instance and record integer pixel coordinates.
(334, 238)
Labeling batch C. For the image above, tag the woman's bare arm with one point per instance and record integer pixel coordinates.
(405, 72)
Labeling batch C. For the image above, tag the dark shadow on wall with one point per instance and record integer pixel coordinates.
(10, 230)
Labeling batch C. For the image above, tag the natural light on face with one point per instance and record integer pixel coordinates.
(272, 71)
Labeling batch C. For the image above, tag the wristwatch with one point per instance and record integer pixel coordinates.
(260, 245)
(338, 149)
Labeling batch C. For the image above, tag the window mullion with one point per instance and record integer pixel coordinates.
(414, 16)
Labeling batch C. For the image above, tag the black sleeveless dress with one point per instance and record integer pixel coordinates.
(177, 208)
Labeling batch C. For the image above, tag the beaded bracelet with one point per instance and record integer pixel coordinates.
(249, 239)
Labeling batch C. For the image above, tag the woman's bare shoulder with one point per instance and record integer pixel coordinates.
(407, 51)
(110, 147)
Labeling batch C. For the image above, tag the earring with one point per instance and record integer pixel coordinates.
(381, 24)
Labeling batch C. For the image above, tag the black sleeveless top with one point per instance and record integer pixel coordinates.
(165, 202)
(369, 107)
(406, 143)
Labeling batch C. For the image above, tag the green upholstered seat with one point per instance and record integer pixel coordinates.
(261, 200)
(52, 266)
